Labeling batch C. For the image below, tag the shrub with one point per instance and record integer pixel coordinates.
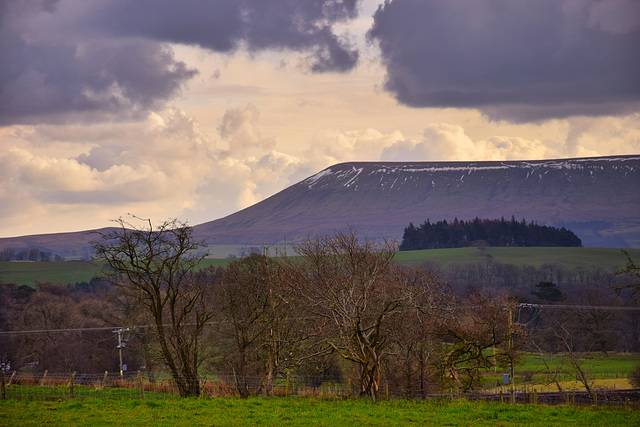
(634, 377)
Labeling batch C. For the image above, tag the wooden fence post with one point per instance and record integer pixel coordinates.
(71, 378)
(286, 393)
(4, 386)
(141, 384)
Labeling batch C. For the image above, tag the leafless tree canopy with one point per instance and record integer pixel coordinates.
(154, 266)
(340, 311)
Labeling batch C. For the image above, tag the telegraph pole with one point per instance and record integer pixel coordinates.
(121, 344)
(512, 389)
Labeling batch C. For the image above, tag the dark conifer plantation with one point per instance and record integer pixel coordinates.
(460, 234)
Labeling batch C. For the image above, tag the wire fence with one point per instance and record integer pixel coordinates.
(53, 386)
(145, 386)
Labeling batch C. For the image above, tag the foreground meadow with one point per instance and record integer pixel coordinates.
(303, 411)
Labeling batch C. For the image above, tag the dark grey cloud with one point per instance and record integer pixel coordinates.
(224, 24)
(83, 60)
(514, 60)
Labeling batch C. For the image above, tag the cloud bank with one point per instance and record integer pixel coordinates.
(89, 61)
(516, 61)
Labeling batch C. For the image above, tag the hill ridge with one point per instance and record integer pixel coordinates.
(596, 197)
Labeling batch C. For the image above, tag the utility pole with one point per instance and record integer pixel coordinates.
(121, 344)
(512, 389)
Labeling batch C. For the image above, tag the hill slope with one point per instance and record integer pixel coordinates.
(597, 198)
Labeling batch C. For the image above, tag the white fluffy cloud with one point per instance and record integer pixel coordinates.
(166, 166)
(443, 141)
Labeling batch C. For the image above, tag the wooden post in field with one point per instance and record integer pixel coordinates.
(141, 384)
(512, 382)
(71, 378)
(44, 376)
(386, 390)
(286, 393)
(4, 386)
(104, 379)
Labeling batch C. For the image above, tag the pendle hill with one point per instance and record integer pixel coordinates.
(596, 198)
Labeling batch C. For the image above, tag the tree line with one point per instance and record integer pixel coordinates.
(31, 254)
(460, 234)
(338, 308)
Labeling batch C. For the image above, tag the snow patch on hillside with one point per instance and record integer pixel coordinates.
(347, 174)
(312, 180)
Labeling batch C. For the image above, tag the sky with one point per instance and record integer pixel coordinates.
(196, 109)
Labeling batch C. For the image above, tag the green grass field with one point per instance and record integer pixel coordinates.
(611, 259)
(303, 412)
(29, 273)
(605, 372)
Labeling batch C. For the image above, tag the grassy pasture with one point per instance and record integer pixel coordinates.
(607, 372)
(303, 411)
(611, 259)
(608, 258)
(28, 273)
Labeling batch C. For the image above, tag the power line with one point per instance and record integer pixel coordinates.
(46, 331)
(520, 305)
(103, 328)
(578, 307)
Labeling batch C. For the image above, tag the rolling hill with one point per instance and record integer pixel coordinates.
(597, 198)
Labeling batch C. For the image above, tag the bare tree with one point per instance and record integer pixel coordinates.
(553, 366)
(632, 270)
(353, 287)
(247, 306)
(471, 331)
(262, 332)
(413, 343)
(575, 362)
(153, 266)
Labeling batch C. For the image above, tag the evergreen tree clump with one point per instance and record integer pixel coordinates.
(460, 234)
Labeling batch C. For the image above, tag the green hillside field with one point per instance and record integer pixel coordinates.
(304, 411)
(611, 259)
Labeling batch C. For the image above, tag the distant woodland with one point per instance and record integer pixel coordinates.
(31, 254)
(496, 232)
(340, 311)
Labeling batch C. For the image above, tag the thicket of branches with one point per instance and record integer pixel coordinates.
(339, 309)
(460, 234)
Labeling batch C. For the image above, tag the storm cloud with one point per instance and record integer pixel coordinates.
(518, 61)
(87, 61)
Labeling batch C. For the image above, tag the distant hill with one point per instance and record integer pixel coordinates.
(597, 198)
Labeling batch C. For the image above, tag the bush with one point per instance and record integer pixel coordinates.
(634, 377)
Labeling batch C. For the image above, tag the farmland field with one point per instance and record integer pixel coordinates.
(303, 411)
(611, 259)
(604, 372)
